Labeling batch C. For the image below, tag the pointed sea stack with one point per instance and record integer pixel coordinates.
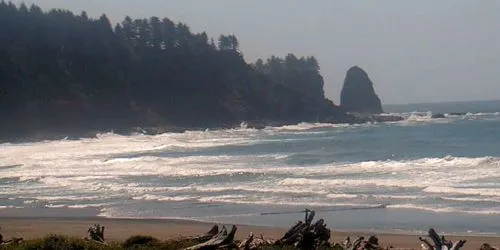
(358, 94)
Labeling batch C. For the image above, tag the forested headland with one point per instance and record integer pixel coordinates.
(64, 73)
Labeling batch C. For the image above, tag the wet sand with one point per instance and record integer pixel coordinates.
(34, 223)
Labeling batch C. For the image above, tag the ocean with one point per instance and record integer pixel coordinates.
(402, 176)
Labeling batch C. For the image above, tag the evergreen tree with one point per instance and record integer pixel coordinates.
(60, 71)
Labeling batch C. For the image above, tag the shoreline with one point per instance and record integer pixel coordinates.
(39, 135)
(31, 224)
(165, 229)
(94, 213)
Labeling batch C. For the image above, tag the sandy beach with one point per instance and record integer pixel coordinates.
(30, 224)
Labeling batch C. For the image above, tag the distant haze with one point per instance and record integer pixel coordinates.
(414, 51)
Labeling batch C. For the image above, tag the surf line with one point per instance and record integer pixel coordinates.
(382, 206)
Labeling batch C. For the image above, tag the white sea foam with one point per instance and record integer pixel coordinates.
(305, 126)
(199, 166)
(444, 209)
(78, 206)
(149, 197)
(342, 196)
(468, 191)
(472, 199)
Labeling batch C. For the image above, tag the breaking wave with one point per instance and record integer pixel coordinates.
(308, 164)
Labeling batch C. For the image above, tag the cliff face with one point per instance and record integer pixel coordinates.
(358, 94)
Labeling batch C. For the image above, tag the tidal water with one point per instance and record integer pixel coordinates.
(407, 175)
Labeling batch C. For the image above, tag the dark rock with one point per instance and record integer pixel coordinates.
(364, 118)
(387, 118)
(458, 113)
(358, 94)
(438, 116)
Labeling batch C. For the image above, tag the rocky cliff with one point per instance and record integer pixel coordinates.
(358, 94)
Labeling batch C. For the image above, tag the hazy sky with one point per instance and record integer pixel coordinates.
(414, 51)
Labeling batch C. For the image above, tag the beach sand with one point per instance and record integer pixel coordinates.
(29, 225)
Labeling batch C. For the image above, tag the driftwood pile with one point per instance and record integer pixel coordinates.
(303, 235)
(252, 242)
(96, 233)
(204, 237)
(440, 243)
(8, 242)
(221, 240)
(361, 244)
(487, 246)
(307, 235)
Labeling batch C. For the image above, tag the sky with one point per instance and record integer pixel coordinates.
(414, 51)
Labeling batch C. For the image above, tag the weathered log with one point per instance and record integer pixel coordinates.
(295, 237)
(372, 243)
(246, 243)
(307, 241)
(222, 240)
(440, 243)
(487, 246)
(322, 233)
(306, 235)
(292, 230)
(309, 216)
(206, 236)
(230, 246)
(12, 241)
(253, 242)
(459, 244)
(426, 243)
(361, 244)
(348, 245)
(293, 233)
(96, 233)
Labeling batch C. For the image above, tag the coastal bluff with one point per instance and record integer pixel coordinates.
(358, 94)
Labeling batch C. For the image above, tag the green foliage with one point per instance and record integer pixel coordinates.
(66, 71)
(59, 242)
(140, 240)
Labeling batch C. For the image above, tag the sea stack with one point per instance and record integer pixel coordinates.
(358, 95)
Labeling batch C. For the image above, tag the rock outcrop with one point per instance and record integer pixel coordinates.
(438, 116)
(358, 94)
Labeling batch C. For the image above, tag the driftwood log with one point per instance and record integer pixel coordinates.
(222, 240)
(487, 246)
(252, 242)
(361, 244)
(307, 235)
(12, 241)
(206, 236)
(355, 245)
(440, 243)
(96, 233)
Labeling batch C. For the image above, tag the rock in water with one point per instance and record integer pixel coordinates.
(358, 94)
(438, 116)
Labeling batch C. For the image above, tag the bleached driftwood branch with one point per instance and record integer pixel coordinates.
(96, 233)
(222, 240)
(306, 235)
(440, 242)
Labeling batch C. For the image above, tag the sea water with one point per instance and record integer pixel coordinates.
(408, 175)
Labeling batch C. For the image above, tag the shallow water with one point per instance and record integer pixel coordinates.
(422, 171)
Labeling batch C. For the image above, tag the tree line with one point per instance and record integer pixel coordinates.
(61, 71)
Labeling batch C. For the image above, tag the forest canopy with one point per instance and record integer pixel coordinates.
(61, 71)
